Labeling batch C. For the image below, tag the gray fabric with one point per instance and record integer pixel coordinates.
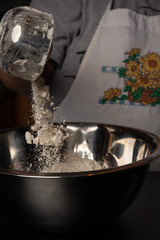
(75, 24)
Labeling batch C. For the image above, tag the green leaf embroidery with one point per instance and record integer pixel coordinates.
(133, 57)
(127, 89)
(156, 93)
(123, 97)
(104, 100)
(114, 99)
(137, 94)
(122, 72)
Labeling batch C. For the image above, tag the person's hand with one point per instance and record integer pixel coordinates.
(23, 86)
(15, 84)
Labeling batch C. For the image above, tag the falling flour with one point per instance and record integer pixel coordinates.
(47, 134)
(48, 138)
(43, 132)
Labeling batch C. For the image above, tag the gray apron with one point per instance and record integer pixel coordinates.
(119, 79)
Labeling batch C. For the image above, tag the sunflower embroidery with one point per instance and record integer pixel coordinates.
(133, 51)
(141, 75)
(144, 81)
(133, 86)
(132, 69)
(112, 93)
(150, 63)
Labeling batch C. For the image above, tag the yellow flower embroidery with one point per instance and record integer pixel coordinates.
(133, 51)
(144, 81)
(134, 86)
(150, 63)
(155, 84)
(155, 76)
(111, 93)
(133, 69)
(141, 76)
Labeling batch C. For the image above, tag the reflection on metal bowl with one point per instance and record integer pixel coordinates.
(63, 201)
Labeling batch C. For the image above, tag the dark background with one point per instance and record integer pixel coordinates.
(5, 5)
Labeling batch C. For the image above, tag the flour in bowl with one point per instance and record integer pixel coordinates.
(48, 138)
(74, 164)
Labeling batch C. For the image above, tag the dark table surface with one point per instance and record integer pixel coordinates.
(140, 222)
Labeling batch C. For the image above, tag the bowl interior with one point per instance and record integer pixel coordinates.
(112, 146)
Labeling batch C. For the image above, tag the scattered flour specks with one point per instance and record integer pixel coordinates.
(48, 138)
(43, 132)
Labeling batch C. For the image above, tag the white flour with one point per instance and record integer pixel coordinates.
(49, 138)
(74, 164)
(44, 133)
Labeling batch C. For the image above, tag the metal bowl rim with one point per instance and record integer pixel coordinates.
(141, 162)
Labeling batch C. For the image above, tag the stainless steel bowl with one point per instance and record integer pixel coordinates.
(68, 201)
